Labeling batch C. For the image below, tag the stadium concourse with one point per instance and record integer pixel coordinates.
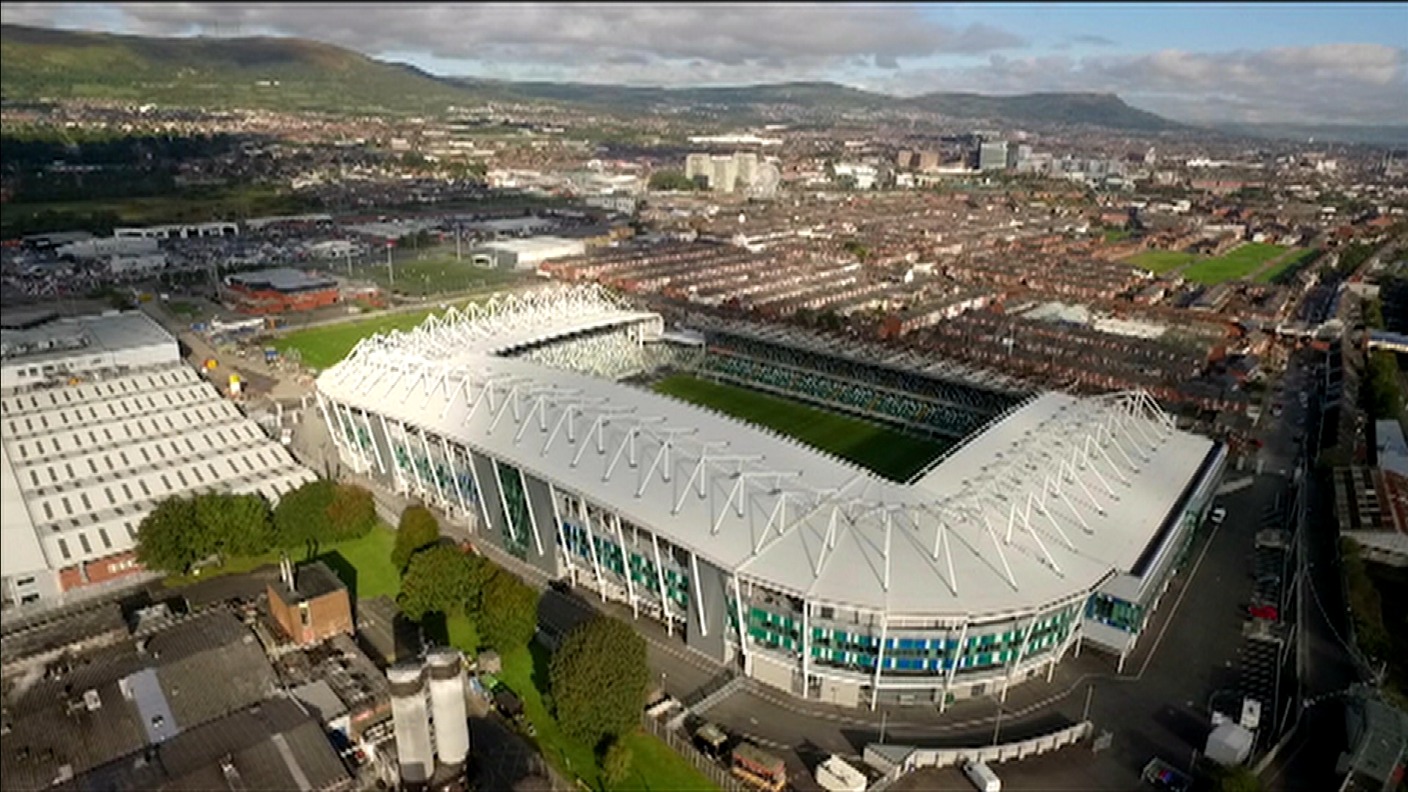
(1051, 521)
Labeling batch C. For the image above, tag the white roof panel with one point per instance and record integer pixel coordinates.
(1040, 506)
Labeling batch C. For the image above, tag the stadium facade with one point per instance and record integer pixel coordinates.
(1052, 521)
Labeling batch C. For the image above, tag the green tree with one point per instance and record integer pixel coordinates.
(169, 538)
(417, 529)
(301, 518)
(597, 678)
(352, 512)
(508, 616)
(235, 525)
(616, 763)
(437, 580)
(670, 180)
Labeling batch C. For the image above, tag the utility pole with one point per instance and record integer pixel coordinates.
(1089, 691)
(997, 727)
(884, 717)
(457, 243)
(390, 269)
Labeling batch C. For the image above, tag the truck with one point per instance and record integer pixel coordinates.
(758, 768)
(1229, 744)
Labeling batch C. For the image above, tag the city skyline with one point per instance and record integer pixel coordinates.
(1306, 63)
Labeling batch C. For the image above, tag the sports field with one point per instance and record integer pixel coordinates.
(892, 454)
(1238, 263)
(1161, 261)
(1290, 263)
(322, 347)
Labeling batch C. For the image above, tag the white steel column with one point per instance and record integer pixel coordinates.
(532, 518)
(742, 625)
(664, 592)
(415, 469)
(454, 475)
(395, 468)
(561, 534)
(371, 436)
(483, 505)
(425, 445)
(806, 647)
(503, 499)
(953, 666)
(591, 545)
(626, 566)
(337, 439)
(879, 662)
(698, 593)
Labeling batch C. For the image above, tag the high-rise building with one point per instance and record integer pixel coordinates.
(725, 174)
(992, 155)
(747, 165)
(696, 165)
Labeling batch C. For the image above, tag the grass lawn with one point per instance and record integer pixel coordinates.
(1117, 235)
(1161, 261)
(435, 271)
(322, 347)
(1238, 263)
(654, 765)
(1289, 263)
(363, 564)
(890, 453)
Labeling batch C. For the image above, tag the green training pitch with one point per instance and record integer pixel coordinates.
(892, 454)
(1161, 261)
(1292, 261)
(1239, 263)
(323, 347)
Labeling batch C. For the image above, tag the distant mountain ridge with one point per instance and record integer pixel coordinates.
(297, 74)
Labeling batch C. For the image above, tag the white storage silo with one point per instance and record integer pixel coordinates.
(446, 672)
(411, 718)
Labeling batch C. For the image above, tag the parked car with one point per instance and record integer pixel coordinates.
(1162, 776)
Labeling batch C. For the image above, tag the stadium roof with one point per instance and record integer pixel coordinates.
(1052, 498)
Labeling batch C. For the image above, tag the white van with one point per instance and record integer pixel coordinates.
(982, 776)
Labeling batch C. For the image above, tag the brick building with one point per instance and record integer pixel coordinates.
(311, 604)
(280, 290)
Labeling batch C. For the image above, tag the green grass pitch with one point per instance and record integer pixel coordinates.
(890, 453)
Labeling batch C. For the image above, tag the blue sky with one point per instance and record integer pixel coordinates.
(1303, 62)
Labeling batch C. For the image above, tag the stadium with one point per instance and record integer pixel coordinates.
(1040, 521)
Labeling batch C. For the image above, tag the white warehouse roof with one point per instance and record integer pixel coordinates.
(84, 464)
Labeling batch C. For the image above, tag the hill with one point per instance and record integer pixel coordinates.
(1106, 110)
(276, 73)
(296, 74)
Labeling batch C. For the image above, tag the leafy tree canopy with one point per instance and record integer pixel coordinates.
(598, 678)
(437, 580)
(616, 764)
(169, 538)
(417, 529)
(508, 616)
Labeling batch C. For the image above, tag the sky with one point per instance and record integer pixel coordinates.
(1314, 63)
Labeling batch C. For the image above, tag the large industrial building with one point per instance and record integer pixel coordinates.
(101, 421)
(1051, 521)
(281, 289)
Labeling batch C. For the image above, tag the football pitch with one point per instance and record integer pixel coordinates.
(1237, 263)
(890, 453)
